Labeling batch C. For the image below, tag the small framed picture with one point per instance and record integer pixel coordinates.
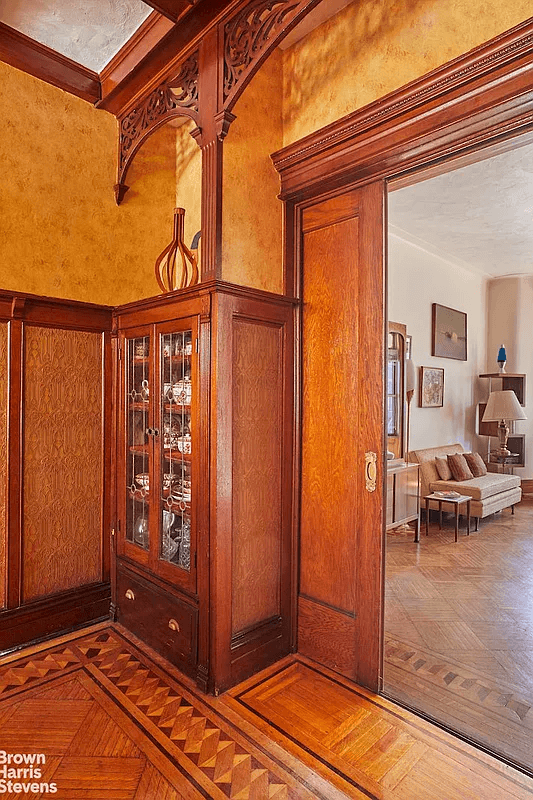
(408, 346)
(431, 387)
(449, 333)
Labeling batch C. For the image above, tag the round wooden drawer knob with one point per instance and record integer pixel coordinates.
(129, 594)
(173, 625)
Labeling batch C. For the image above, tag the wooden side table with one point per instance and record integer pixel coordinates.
(503, 461)
(456, 501)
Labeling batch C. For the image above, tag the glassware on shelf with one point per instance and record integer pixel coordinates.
(140, 532)
(184, 560)
(169, 546)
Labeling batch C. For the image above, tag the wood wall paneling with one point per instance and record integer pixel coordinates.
(326, 636)
(252, 397)
(4, 412)
(63, 464)
(257, 468)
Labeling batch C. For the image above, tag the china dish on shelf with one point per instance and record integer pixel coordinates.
(182, 391)
(143, 479)
(184, 444)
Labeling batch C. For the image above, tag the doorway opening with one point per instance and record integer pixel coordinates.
(458, 632)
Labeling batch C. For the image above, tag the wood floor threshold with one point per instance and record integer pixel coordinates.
(439, 733)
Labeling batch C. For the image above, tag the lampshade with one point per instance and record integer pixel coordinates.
(409, 375)
(503, 405)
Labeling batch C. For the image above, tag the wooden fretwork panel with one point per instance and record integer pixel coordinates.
(4, 383)
(63, 460)
(257, 470)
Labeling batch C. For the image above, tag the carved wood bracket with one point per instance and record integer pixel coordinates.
(176, 97)
(251, 35)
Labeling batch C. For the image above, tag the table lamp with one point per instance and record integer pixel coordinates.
(503, 407)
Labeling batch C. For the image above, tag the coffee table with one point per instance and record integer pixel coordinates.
(455, 501)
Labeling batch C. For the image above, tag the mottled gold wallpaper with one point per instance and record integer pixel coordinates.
(61, 231)
(252, 214)
(188, 180)
(371, 48)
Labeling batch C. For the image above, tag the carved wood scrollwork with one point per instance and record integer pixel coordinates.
(175, 97)
(248, 34)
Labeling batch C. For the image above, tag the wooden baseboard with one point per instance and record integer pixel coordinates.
(54, 615)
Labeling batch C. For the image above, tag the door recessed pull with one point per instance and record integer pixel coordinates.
(370, 471)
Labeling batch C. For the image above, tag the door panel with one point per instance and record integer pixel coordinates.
(342, 419)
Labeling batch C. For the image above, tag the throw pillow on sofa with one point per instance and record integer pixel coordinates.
(476, 464)
(445, 473)
(459, 468)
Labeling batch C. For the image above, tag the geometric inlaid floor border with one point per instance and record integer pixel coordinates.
(457, 679)
(220, 763)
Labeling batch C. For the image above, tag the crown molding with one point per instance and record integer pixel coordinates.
(422, 122)
(42, 62)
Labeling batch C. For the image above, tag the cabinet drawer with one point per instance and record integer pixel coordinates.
(159, 619)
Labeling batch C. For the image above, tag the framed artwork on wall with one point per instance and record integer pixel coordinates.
(449, 333)
(431, 387)
(485, 428)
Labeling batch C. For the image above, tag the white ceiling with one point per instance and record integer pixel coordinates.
(480, 216)
(90, 32)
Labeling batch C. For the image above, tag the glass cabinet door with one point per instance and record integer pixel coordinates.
(138, 420)
(176, 388)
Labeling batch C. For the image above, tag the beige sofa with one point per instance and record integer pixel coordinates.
(490, 493)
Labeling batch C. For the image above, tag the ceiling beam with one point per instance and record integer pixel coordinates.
(46, 64)
(173, 9)
(145, 38)
(159, 63)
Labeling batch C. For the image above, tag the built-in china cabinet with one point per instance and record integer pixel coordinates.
(204, 460)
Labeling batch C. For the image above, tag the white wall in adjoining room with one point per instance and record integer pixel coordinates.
(510, 322)
(417, 278)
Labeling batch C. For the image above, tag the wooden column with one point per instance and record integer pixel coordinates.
(213, 127)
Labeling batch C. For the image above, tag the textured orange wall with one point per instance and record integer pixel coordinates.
(373, 47)
(61, 233)
(252, 214)
(189, 180)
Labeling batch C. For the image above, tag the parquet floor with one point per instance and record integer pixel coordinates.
(459, 629)
(106, 718)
